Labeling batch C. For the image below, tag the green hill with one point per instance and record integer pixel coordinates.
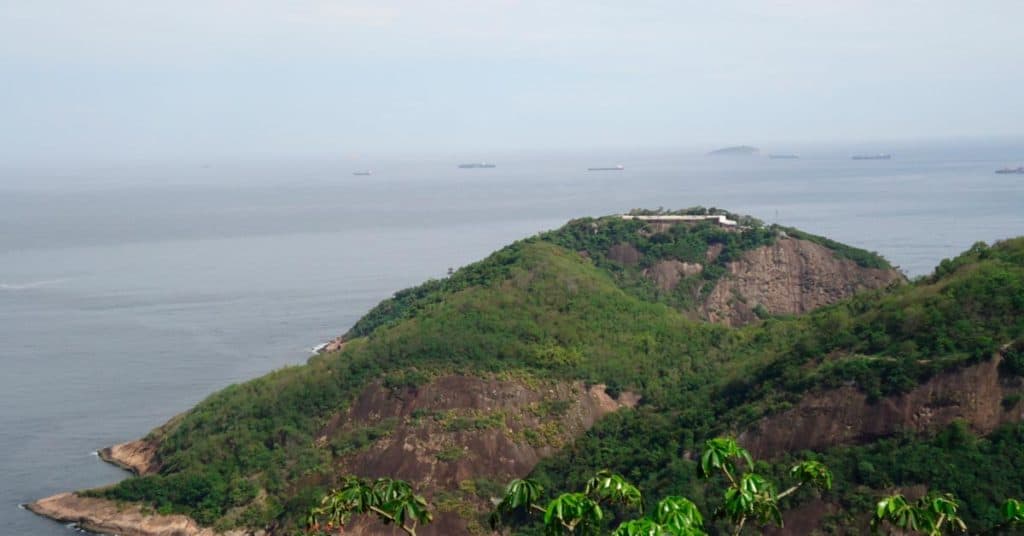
(578, 305)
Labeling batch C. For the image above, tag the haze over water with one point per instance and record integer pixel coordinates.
(128, 294)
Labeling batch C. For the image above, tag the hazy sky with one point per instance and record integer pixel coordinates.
(136, 79)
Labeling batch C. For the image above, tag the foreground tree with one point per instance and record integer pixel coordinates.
(570, 513)
(391, 501)
(748, 497)
(936, 514)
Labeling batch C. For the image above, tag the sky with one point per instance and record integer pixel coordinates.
(193, 79)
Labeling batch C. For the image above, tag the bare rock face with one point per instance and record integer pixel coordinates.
(973, 394)
(625, 254)
(447, 436)
(139, 456)
(667, 274)
(790, 276)
(109, 517)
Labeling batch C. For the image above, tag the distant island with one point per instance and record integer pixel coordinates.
(738, 150)
(879, 156)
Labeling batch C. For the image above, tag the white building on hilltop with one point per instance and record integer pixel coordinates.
(681, 218)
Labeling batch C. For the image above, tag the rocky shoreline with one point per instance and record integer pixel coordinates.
(139, 456)
(104, 516)
(109, 517)
(332, 345)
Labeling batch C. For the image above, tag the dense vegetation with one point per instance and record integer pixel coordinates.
(595, 237)
(248, 454)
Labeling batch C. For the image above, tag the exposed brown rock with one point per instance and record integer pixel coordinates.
(804, 519)
(109, 517)
(139, 456)
(625, 254)
(714, 250)
(973, 394)
(667, 273)
(790, 276)
(435, 445)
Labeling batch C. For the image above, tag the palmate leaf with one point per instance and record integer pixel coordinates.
(942, 510)
(680, 516)
(411, 508)
(722, 453)
(641, 527)
(520, 494)
(1013, 511)
(613, 488)
(574, 510)
(813, 473)
(393, 501)
(753, 497)
(896, 510)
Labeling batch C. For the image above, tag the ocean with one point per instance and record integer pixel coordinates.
(129, 293)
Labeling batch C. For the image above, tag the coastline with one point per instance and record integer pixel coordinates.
(332, 345)
(139, 456)
(104, 516)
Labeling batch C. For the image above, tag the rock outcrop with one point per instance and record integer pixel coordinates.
(109, 517)
(624, 253)
(790, 276)
(139, 456)
(447, 436)
(666, 274)
(973, 394)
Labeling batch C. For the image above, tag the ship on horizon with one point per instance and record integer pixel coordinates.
(619, 167)
(784, 156)
(478, 165)
(879, 156)
(1019, 170)
(363, 173)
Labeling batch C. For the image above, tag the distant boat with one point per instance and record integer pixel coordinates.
(784, 156)
(1019, 170)
(879, 156)
(619, 167)
(478, 165)
(363, 173)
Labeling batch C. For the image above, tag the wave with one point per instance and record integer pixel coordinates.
(32, 284)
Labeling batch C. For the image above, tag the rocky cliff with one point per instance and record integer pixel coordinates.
(458, 439)
(139, 456)
(975, 394)
(791, 276)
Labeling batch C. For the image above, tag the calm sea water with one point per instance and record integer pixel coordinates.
(128, 294)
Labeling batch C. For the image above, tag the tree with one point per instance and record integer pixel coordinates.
(576, 513)
(750, 496)
(392, 501)
(936, 514)
(932, 514)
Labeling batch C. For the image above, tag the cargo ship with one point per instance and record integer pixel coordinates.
(1019, 170)
(619, 167)
(879, 156)
(784, 156)
(363, 173)
(477, 165)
